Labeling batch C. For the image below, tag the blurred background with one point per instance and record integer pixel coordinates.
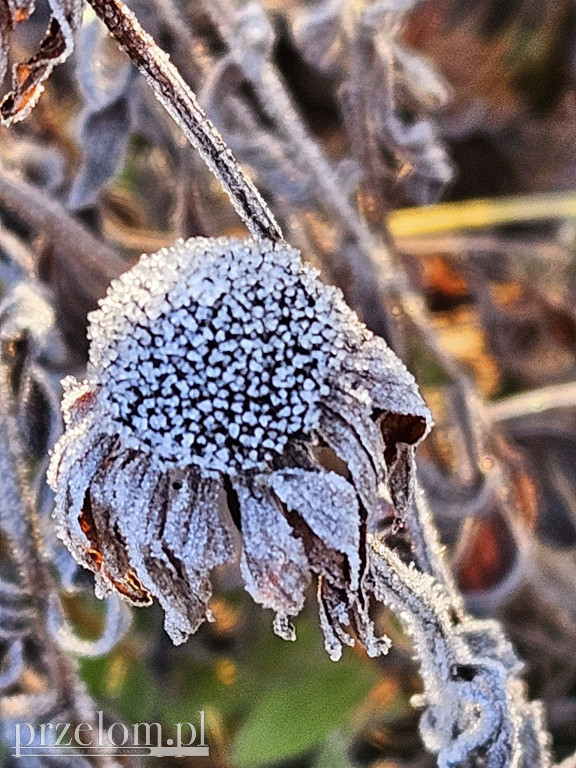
(422, 156)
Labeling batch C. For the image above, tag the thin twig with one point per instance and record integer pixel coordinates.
(465, 244)
(181, 103)
(46, 215)
(534, 402)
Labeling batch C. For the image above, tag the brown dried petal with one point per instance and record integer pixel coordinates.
(28, 77)
(74, 463)
(5, 28)
(273, 564)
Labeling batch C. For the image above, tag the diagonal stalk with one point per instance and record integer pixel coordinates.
(181, 103)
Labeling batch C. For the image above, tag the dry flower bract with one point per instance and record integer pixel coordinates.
(234, 408)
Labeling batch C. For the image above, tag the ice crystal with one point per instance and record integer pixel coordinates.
(215, 353)
(220, 370)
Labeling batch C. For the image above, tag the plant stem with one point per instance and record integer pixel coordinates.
(480, 213)
(181, 103)
(532, 403)
(46, 215)
(464, 662)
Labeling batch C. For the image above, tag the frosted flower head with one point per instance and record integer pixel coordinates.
(234, 407)
(215, 353)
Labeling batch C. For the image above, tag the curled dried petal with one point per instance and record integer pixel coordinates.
(58, 44)
(274, 563)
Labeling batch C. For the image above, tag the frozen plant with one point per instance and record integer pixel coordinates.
(217, 369)
(220, 371)
(235, 408)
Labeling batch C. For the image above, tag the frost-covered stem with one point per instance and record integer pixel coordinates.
(418, 602)
(477, 713)
(181, 103)
(19, 522)
(427, 544)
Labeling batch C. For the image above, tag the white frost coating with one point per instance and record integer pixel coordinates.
(329, 505)
(274, 564)
(217, 368)
(214, 352)
(390, 384)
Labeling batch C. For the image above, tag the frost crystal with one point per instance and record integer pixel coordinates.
(217, 352)
(234, 410)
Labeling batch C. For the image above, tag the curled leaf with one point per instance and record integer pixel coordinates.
(106, 120)
(28, 77)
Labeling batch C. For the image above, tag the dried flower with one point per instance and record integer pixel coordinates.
(231, 395)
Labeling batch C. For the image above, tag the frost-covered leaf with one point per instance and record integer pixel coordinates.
(382, 99)
(105, 122)
(317, 31)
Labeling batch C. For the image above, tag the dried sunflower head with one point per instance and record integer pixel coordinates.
(233, 407)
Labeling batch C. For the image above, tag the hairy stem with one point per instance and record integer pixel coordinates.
(477, 713)
(181, 103)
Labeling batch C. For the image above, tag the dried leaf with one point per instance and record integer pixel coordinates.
(105, 123)
(28, 77)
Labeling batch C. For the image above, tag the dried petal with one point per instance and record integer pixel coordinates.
(329, 506)
(74, 462)
(210, 541)
(28, 77)
(392, 389)
(273, 564)
(344, 442)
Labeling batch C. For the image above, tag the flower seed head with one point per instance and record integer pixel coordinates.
(215, 352)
